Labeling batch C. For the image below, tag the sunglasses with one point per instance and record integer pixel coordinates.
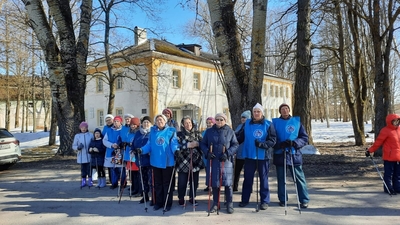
(219, 119)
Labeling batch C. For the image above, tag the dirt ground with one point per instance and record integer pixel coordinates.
(336, 159)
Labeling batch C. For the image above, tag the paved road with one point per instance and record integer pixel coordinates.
(54, 197)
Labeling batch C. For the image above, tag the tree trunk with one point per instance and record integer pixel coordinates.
(303, 66)
(53, 127)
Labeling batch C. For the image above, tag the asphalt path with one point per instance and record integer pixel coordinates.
(32, 196)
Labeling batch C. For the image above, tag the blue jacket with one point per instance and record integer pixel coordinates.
(219, 138)
(162, 145)
(139, 141)
(239, 152)
(264, 132)
(112, 136)
(292, 129)
(127, 136)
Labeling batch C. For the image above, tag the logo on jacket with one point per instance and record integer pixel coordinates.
(160, 141)
(258, 133)
(290, 128)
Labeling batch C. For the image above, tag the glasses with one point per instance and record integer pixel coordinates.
(219, 119)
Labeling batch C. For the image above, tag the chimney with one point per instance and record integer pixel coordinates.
(140, 35)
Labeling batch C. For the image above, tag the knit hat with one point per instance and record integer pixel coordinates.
(283, 104)
(260, 107)
(84, 124)
(135, 121)
(118, 118)
(97, 130)
(246, 114)
(160, 115)
(146, 118)
(167, 111)
(128, 115)
(108, 116)
(221, 115)
(212, 119)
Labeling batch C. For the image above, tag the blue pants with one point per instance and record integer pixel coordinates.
(116, 174)
(300, 181)
(250, 166)
(391, 176)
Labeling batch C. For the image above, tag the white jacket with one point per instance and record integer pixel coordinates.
(84, 138)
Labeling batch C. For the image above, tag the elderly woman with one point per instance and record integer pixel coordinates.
(219, 144)
(189, 160)
(162, 145)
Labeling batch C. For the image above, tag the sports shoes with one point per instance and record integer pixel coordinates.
(195, 202)
(243, 204)
(181, 202)
(214, 209)
(304, 205)
(263, 206)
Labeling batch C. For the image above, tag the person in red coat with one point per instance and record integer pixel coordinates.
(389, 138)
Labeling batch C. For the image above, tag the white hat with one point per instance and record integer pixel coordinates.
(108, 116)
(260, 107)
(128, 115)
(162, 116)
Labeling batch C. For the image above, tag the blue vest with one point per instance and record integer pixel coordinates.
(252, 132)
(286, 129)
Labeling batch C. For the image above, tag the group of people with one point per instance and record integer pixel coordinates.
(161, 150)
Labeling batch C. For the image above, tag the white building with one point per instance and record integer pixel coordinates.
(179, 77)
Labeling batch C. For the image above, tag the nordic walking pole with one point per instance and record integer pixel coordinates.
(153, 197)
(220, 181)
(209, 180)
(258, 174)
(284, 175)
(169, 189)
(379, 172)
(191, 169)
(97, 171)
(187, 187)
(295, 182)
(130, 176)
(141, 179)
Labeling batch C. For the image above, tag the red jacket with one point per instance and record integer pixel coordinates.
(389, 137)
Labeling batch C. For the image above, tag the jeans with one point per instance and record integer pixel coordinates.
(250, 166)
(300, 181)
(116, 174)
(391, 175)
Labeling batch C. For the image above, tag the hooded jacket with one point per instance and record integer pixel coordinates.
(389, 138)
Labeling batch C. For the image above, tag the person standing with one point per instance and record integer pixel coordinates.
(171, 122)
(224, 146)
(109, 120)
(239, 160)
(81, 144)
(389, 138)
(291, 138)
(112, 141)
(97, 150)
(189, 160)
(258, 136)
(210, 121)
(162, 145)
(127, 136)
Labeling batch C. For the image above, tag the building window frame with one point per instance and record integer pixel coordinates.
(176, 79)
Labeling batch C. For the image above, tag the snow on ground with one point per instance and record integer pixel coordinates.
(336, 133)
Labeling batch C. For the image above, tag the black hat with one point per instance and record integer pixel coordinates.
(145, 118)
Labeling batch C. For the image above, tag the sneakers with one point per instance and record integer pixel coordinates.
(191, 202)
(304, 205)
(243, 204)
(181, 202)
(263, 206)
(214, 209)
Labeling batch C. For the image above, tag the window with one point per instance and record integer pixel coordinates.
(271, 91)
(281, 91)
(265, 86)
(196, 81)
(276, 91)
(176, 78)
(99, 82)
(100, 116)
(119, 112)
(119, 83)
(144, 111)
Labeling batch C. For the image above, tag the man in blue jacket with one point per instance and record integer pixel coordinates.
(291, 136)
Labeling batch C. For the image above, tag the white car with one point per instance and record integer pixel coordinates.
(10, 152)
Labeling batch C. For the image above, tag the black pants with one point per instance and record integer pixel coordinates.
(239, 163)
(100, 170)
(162, 179)
(182, 184)
(145, 177)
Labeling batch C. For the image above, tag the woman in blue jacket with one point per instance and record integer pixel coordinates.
(162, 145)
(224, 145)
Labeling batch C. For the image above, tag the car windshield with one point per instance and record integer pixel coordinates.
(5, 134)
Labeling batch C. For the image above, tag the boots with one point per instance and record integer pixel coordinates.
(146, 196)
(102, 182)
(83, 184)
(99, 182)
(90, 182)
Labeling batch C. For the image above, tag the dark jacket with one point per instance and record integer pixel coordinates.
(141, 138)
(220, 138)
(97, 157)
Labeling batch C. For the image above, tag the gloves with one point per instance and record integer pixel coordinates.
(286, 144)
(90, 150)
(80, 146)
(223, 158)
(258, 144)
(138, 151)
(95, 149)
(210, 156)
(122, 145)
(176, 153)
(367, 153)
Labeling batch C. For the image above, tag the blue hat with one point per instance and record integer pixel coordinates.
(246, 114)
